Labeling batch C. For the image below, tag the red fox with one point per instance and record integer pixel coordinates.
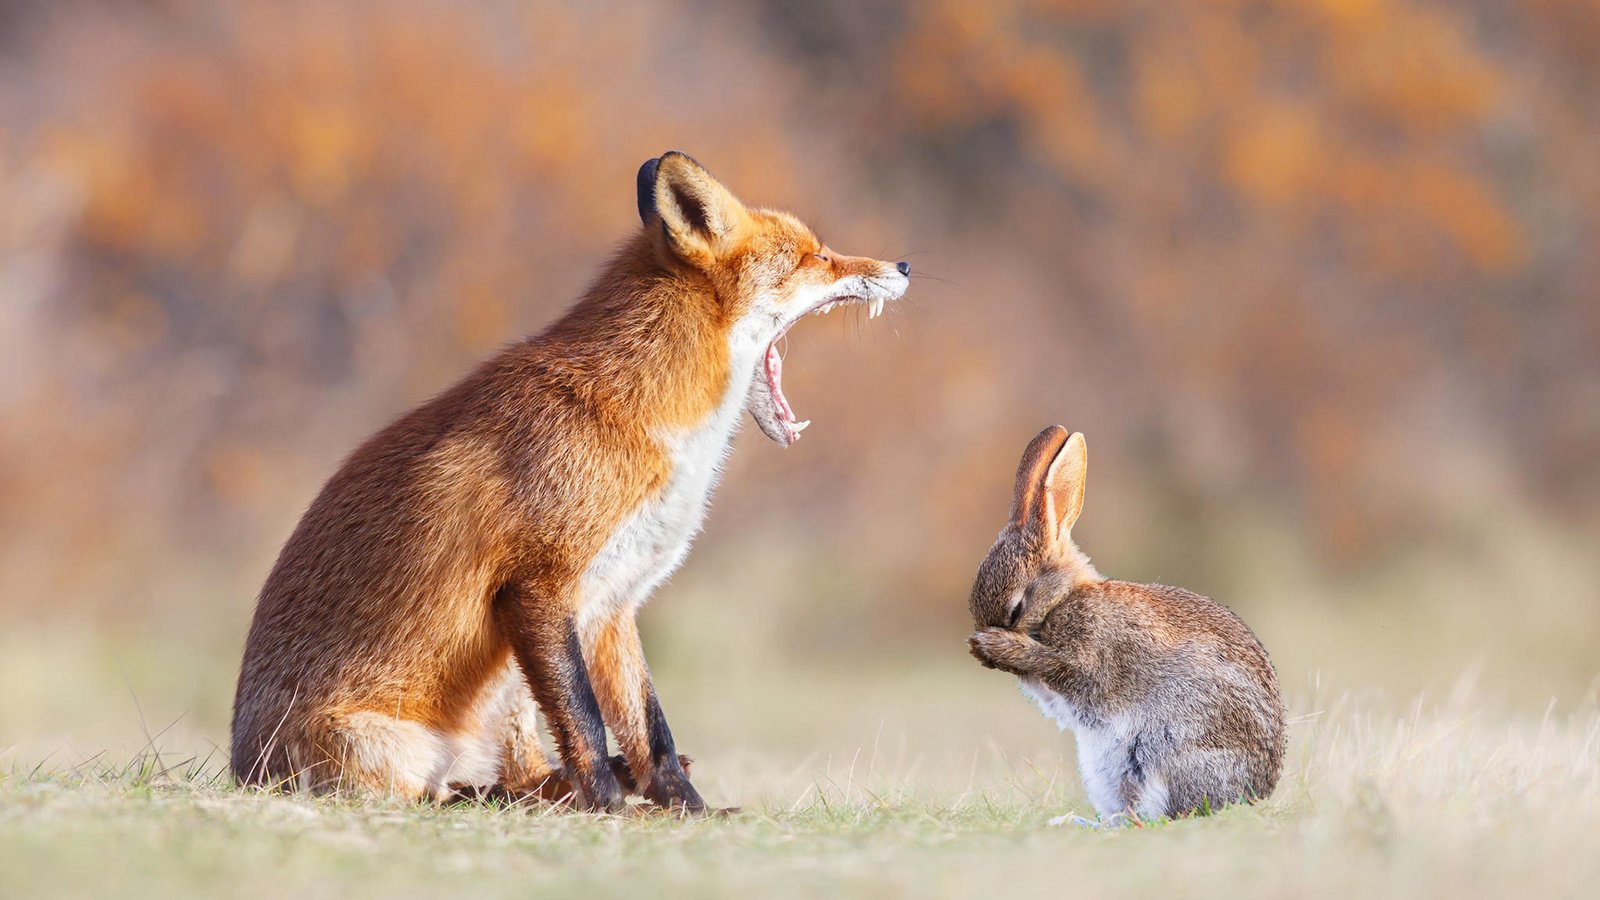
(483, 557)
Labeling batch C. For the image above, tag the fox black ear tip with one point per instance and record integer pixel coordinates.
(645, 189)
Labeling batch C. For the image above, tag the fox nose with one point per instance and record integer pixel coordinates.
(904, 267)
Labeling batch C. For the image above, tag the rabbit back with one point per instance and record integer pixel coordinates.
(1174, 702)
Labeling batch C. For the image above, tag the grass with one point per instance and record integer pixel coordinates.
(1438, 799)
(868, 762)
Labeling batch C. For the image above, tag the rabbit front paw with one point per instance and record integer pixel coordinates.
(1000, 649)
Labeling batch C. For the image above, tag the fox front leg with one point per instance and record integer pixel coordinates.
(630, 705)
(1009, 651)
(544, 637)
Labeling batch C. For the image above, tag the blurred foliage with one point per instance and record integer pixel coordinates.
(1325, 265)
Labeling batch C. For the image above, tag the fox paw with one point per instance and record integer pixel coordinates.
(624, 775)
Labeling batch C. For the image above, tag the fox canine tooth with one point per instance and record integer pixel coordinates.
(800, 426)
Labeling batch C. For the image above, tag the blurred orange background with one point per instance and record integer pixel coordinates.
(1317, 279)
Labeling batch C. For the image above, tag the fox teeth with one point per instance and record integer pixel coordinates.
(877, 308)
(800, 426)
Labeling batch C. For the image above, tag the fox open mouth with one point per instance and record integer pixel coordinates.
(768, 406)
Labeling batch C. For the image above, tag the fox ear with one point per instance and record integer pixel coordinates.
(1027, 504)
(697, 213)
(1064, 484)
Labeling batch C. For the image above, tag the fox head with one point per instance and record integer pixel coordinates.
(765, 268)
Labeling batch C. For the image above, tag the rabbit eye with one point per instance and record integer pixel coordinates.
(1015, 612)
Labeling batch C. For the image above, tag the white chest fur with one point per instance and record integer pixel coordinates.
(1051, 704)
(655, 538)
(1103, 751)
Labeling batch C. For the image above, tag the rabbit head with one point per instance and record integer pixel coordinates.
(1034, 564)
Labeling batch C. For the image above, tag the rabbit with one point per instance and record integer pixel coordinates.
(1172, 699)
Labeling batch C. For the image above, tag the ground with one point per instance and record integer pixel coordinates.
(1379, 799)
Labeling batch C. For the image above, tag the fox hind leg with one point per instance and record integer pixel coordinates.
(509, 718)
(375, 753)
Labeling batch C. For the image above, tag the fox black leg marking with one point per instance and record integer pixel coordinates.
(669, 784)
(584, 749)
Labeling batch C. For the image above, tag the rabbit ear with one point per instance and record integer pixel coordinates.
(1064, 483)
(1027, 504)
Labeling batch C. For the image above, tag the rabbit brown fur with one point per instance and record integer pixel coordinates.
(1173, 701)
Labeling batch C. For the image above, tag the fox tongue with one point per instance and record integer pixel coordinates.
(770, 406)
(775, 381)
